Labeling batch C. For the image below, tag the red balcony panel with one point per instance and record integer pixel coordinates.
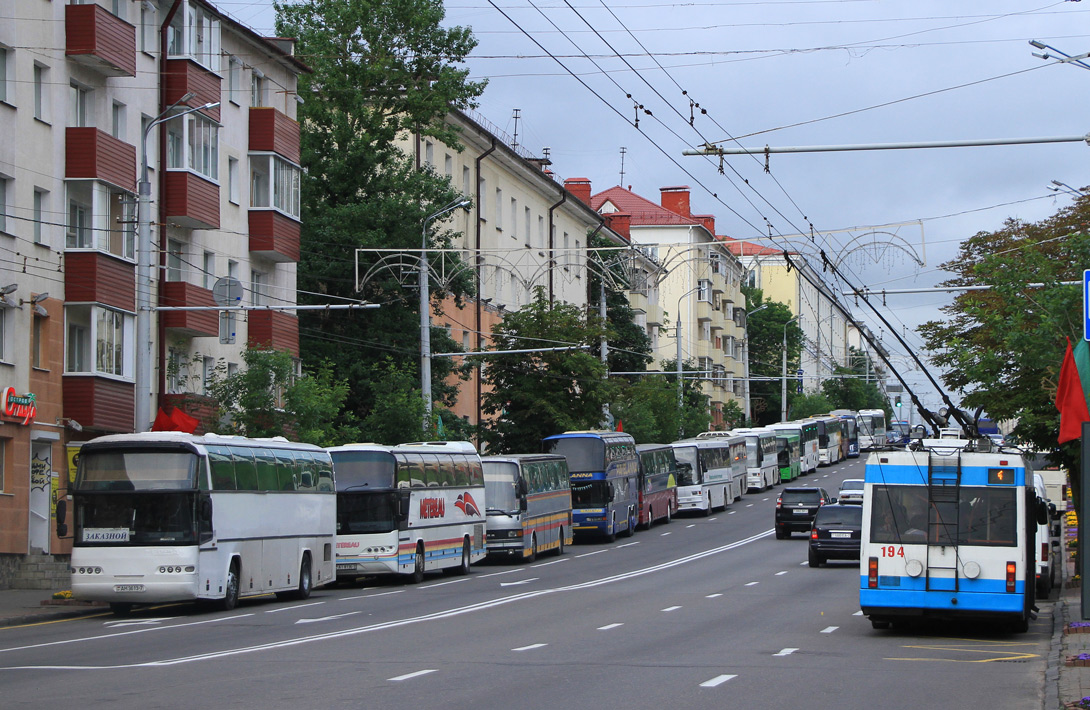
(94, 154)
(272, 131)
(99, 402)
(274, 236)
(185, 75)
(98, 277)
(190, 201)
(100, 40)
(190, 323)
(274, 329)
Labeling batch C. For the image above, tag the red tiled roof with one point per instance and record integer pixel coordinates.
(743, 248)
(643, 211)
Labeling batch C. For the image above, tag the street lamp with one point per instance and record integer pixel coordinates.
(1063, 58)
(680, 389)
(144, 267)
(783, 383)
(425, 310)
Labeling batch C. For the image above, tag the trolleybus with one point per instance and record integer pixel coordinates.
(657, 483)
(167, 516)
(948, 533)
(872, 429)
(603, 470)
(408, 509)
(528, 504)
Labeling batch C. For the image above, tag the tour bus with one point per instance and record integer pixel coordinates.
(788, 453)
(797, 429)
(528, 504)
(828, 440)
(811, 453)
(408, 509)
(762, 465)
(603, 470)
(657, 483)
(948, 533)
(711, 472)
(167, 517)
(872, 429)
(849, 431)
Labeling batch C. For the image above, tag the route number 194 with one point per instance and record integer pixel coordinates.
(892, 551)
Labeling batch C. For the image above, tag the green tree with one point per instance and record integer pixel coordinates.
(629, 344)
(695, 405)
(380, 71)
(267, 398)
(850, 389)
(808, 404)
(765, 332)
(647, 408)
(1001, 349)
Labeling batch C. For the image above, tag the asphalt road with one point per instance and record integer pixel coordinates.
(700, 612)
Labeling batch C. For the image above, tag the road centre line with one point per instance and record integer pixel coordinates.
(443, 584)
(412, 675)
(731, 512)
(780, 574)
(293, 606)
(717, 680)
(664, 534)
(531, 647)
(749, 505)
(713, 596)
(497, 574)
(553, 562)
(750, 584)
(396, 623)
(628, 544)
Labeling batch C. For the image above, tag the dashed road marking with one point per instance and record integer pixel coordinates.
(780, 574)
(412, 675)
(785, 652)
(531, 647)
(750, 584)
(671, 608)
(829, 629)
(717, 680)
(713, 596)
(588, 554)
(607, 627)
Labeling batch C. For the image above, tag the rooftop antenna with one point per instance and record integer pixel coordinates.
(623, 151)
(515, 143)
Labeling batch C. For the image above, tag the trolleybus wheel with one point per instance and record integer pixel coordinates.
(417, 575)
(230, 595)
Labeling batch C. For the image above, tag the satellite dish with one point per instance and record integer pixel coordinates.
(227, 291)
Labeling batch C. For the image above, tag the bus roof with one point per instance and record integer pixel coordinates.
(521, 458)
(591, 434)
(177, 437)
(455, 447)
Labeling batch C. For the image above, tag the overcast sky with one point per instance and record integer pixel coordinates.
(785, 73)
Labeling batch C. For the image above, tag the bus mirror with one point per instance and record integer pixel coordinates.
(1053, 513)
(523, 488)
(62, 509)
(612, 494)
(1042, 512)
(403, 506)
(206, 510)
(522, 503)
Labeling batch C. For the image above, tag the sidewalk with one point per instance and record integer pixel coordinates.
(29, 606)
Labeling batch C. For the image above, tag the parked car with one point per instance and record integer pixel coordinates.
(851, 491)
(836, 534)
(795, 509)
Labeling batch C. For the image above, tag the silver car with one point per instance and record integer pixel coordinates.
(851, 491)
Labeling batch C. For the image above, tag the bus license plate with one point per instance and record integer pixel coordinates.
(840, 535)
(128, 587)
(346, 567)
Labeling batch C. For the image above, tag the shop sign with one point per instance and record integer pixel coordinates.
(18, 406)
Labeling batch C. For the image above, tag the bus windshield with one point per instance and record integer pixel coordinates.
(686, 456)
(592, 494)
(365, 511)
(363, 469)
(128, 470)
(135, 518)
(499, 485)
(584, 454)
(981, 516)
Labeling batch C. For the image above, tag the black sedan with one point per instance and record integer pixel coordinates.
(836, 533)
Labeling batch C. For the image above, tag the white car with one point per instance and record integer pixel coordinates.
(851, 491)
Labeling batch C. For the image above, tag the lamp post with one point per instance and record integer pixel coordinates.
(748, 408)
(680, 388)
(425, 310)
(783, 383)
(144, 267)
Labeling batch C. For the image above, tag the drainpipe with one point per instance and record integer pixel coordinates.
(552, 243)
(477, 269)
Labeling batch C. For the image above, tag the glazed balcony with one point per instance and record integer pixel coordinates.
(96, 38)
(274, 329)
(93, 154)
(271, 131)
(274, 236)
(193, 324)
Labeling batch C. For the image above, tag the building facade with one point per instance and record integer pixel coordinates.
(90, 94)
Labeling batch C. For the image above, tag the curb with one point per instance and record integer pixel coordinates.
(53, 612)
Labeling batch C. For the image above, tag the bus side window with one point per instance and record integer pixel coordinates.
(306, 471)
(325, 473)
(245, 469)
(285, 469)
(266, 470)
(476, 473)
(223, 468)
(431, 470)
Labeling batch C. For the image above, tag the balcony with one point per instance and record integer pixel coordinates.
(184, 76)
(654, 314)
(703, 310)
(99, 277)
(274, 236)
(274, 329)
(93, 154)
(637, 301)
(271, 131)
(194, 324)
(99, 402)
(190, 201)
(97, 39)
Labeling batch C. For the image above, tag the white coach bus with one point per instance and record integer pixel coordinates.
(166, 516)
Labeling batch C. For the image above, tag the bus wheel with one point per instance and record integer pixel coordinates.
(631, 529)
(612, 534)
(417, 575)
(463, 566)
(230, 595)
(669, 515)
(305, 581)
(533, 548)
(121, 608)
(560, 543)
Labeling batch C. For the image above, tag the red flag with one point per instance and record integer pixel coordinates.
(620, 425)
(162, 422)
(1070, 399)
(183, 422)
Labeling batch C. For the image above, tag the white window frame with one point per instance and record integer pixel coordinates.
(4, 328)
(40, 209)
(232, 180)
(234, 79)
(94, 343)
(81, 112)
(117, 120)
(259, 288)
(41, 92)
(257, 88)
(109, 216)
(5, 198)
(195, 147)
(275, 183)
(209, 267)
(175, 261)
(7, 63)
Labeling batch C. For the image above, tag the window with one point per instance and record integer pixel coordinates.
(577, 259)
(3, 461)
(527, 231)
(466, 179)
(36, 335)
(257, 88)
(499, 208)
(4, 203)
(704, 290)
(4, 311)
(540, 232)
(100, 216)
(209, 267)
(274, 182)
(117, 120)
(41, 94)
(234, 79)
(566, 260)
(175, 253)
(429, 153)
(146, 33)
(514, 218)
(232, 180)
(175, 369)
(111, 333)
(448, 165)
(482, 187)
(259, 286)
(208, 373)
(203, 139)
(79, 98)
(117, 7)
(5, 60)
(194, 32)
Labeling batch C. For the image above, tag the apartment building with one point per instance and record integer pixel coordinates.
(81, 85)
(698, 282)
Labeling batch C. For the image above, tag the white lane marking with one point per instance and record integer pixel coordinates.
(293, 606)
(713, 519)
(779, 574)
(664, 534)
(858, 613)
(732, 512)
(588, 554)
(713, 596)
(368, 596)
(497, 574)
(690, 526)
(396, 623)
(325, 618)
(142, 622)
(803, 564)
(531, 647)
(443, 584)
(750, 584)
(829, 629)
(521, 581)
(717, 680)
(546, 564)
(766, 499)
(785, 652)
(607, 627)
(749, 505)
(628, 544)
(412, 675)
(671, 608)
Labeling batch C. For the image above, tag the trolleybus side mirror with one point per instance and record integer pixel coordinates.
(62, 510)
